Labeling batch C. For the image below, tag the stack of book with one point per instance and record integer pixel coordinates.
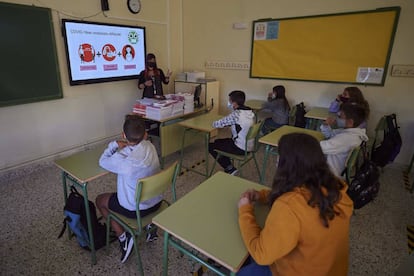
(158, 112)
(140, 106)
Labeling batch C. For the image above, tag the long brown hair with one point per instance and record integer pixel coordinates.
(355, 96)
(303, 164)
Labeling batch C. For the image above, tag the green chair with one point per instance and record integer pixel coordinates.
(241, 160)
(351, 164)
(146, 188)
(292, 115)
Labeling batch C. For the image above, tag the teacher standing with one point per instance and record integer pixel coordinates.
(152, 78)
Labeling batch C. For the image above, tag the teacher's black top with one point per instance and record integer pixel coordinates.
(155, 90)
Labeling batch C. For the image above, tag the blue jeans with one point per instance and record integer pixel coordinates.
(253, 269)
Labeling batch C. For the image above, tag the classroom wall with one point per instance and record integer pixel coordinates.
(184, 34)
(87, 114)
(209, 36)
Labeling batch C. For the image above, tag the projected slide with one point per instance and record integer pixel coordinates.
(100, 52)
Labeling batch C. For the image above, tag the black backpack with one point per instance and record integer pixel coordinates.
(300, 120)
(365, 184)
(75, 217)
(390, 146)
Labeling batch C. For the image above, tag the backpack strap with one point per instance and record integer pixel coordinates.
(66, 219)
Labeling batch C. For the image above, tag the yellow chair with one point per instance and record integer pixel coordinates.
(241, 160)
(146, 188)
(351, 164)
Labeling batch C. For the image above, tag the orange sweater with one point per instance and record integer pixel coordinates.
(293, 240)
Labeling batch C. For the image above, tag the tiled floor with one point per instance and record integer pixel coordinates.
(31, 217)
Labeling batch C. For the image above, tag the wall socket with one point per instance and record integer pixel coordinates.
(228, 65)
(402, 71)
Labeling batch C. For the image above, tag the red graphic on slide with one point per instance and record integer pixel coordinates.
(86, 53)
(128, 52)
(109, 52)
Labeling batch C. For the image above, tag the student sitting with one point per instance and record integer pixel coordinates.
(240, 120)
(307, 229)
(352, 95)
(131, 159)
(279, 106)
(346, 137)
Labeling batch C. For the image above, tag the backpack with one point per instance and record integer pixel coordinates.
(386, 152)
(365, 184)
(300, 120)
(75, 217)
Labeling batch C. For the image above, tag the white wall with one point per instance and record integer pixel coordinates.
(87, 113)
(184, 34)
(208, 35)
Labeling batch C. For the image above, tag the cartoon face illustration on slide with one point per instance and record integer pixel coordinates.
(109, 52)
(133, 37)
(128, 52)
(86, 53)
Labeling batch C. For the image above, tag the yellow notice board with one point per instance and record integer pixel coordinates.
(346, 48)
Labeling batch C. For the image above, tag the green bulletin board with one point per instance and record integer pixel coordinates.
(29, 70)
(346, 48)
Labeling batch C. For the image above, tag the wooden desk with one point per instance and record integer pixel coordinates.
(255, 104)
(81, 168)
(316, 115)
(169, 128)
(271, 140)
(206, 219)
(200, 125)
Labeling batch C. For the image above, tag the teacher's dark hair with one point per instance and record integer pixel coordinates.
(303, 164)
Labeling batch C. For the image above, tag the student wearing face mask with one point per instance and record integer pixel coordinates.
(351, 94)
(278, 105)
(152, 78)
(345, 138)
(239, 120)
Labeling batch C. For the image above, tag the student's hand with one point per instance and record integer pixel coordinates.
(243, 201)
(121, 144)
(329, 121)
(251, 194)
(338, 98)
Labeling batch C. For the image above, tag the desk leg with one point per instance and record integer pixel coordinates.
(182, 148)
(191, 255)
(266, 155)
(88, 219)
(84, 187)
(65, 199)
(165, 256)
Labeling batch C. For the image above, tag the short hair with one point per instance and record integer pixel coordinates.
(354, 111)
(134, 128)
(238, 97)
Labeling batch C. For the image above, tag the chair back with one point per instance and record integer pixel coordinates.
(352, 163)
(292, 115)
(157, 184)
(379, 133)
(253, 133)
